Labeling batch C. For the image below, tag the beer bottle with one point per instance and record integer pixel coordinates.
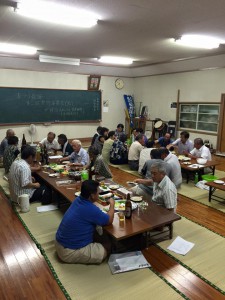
(45, 155)
(24, 143)
(128, 207)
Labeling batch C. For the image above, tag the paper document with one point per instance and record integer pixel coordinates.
(47, 208)
(128, 261)
(181, 246)
(55, 156)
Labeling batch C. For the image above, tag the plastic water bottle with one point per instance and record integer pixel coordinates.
(196, 177)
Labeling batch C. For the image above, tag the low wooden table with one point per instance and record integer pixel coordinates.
(143, 219)
(188, 170)
(213, 187)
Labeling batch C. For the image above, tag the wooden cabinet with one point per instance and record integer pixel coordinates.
(199, 117)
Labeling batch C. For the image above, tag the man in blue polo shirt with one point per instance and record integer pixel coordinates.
(74, 238)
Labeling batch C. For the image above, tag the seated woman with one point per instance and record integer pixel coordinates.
(119, 151)
(10, 153)
(98, 164)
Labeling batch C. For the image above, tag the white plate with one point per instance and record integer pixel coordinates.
(114, 186)
(136, 198)
(65, 162)
(77, 194)
(186, 158)
(53, 175)
(186, 163)
(219, 181)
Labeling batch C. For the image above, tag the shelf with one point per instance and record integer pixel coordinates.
(204, 117)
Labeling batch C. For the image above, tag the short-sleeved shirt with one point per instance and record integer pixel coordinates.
(175, 174)
(78, 224)
(203, 152)
(101, 167)
(165, 193)
(19, 177)
(80, 157)
(163, 143)
(187, 146)
(134, 151)
(147, 166)
(48, 145)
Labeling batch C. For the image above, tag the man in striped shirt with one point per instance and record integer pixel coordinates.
(21, 182)
(164, 190)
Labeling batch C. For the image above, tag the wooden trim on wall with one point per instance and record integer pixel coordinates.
(221, 123)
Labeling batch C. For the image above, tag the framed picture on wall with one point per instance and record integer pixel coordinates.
(94, 82)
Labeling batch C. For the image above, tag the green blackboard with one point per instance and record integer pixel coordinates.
(26, 105)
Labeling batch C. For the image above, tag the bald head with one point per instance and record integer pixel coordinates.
(10, 132)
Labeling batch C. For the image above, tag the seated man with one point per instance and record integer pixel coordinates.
(134, 152)
(164, 190)
(98, 163)
(74, 237)
(21, 182)
(183, 144)
(200, 150)
(4, 143)
(10, 153)
(164, 140)
(145, 185)
(66, 148)
(79, 157)
(99, 128)
(50, 142)
(172, 160)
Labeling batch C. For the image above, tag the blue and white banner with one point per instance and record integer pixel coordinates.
(130, 107)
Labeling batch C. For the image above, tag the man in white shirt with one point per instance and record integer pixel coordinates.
(79, 157)
(134, 152)
(21, 182)
(200, 150)
(183, 144)
(50, 142)
(164, 190)
(172, 160)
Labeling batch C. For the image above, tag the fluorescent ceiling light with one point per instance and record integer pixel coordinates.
(18, 49)
(116, 60)
(199, 41)
(56, 13)
(59, 60)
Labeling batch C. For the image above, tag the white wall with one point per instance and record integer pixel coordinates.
(155, 91)
(110, 119)
(159, 91)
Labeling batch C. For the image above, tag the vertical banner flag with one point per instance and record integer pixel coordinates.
(129, 100)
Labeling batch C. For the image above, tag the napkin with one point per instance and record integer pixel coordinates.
(180, 246)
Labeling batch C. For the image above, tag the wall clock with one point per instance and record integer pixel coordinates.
(119, 83)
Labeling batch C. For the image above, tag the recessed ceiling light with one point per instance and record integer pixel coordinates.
(56, 13)
(199, 41)
(19, 49)
(116, 60)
